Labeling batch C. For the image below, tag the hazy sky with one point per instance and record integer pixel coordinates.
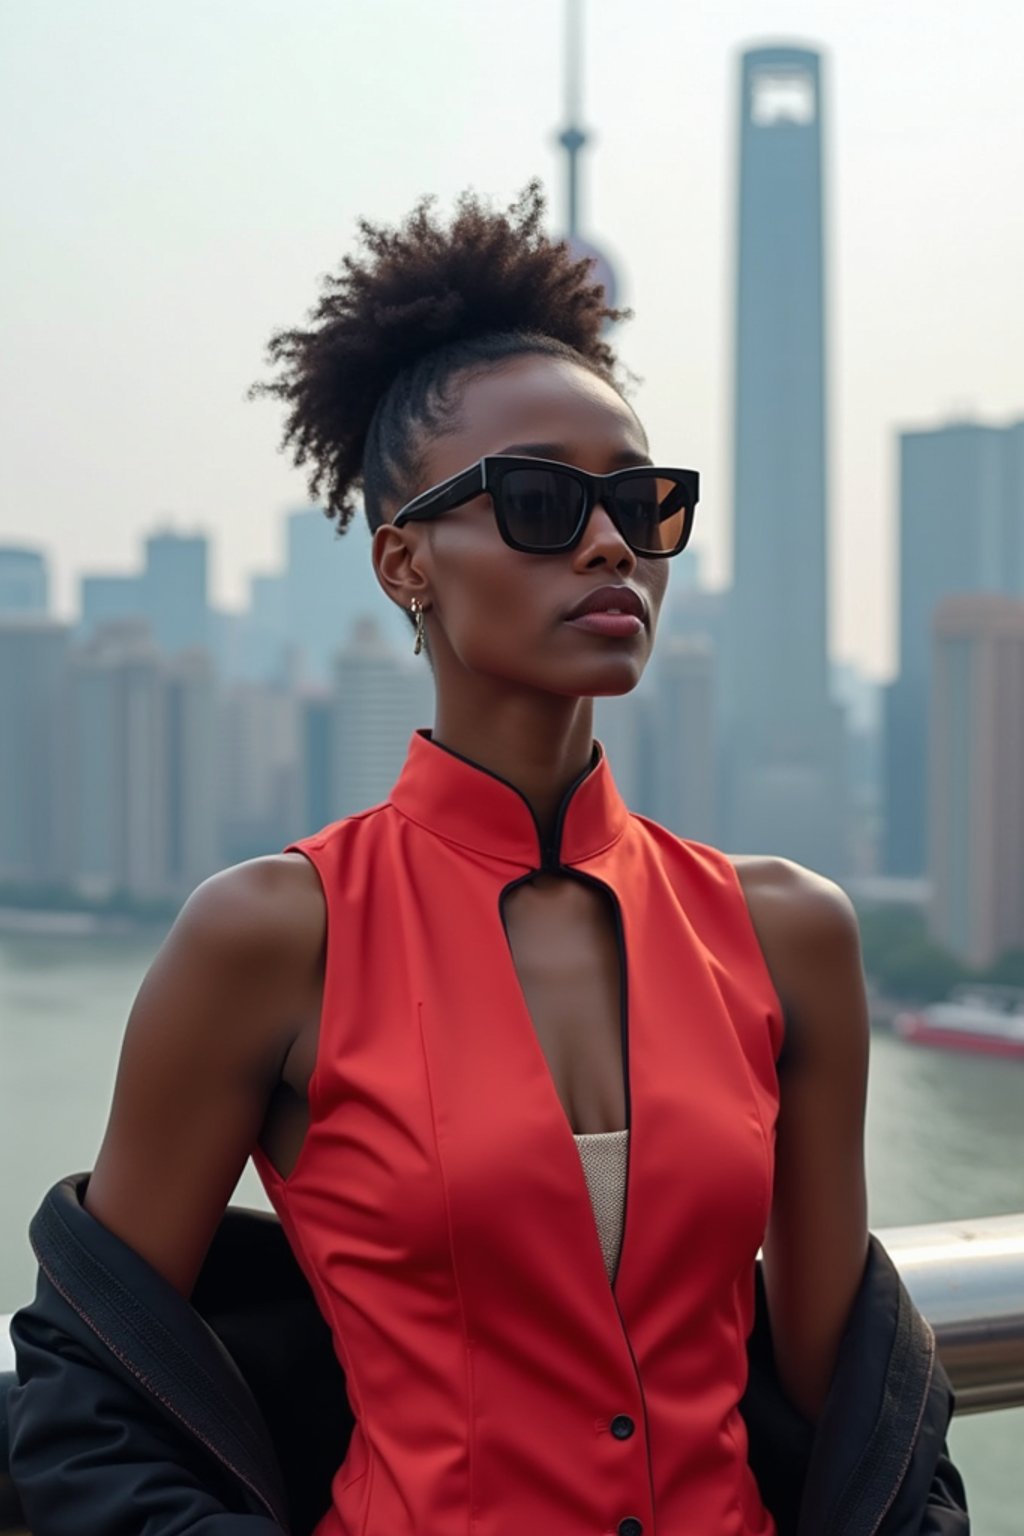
(176, 177)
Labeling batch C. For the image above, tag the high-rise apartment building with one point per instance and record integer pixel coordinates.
(258, 762)
(961, 514)
(620, 725)
(267, 647)
(315, 807)
(683, 739)
(251, 645)
(24, 581)
(663, 739)
(106, 598)
(174, 590)
(329, 588)
(141, 779)
(192, 849)
(861, 699)
(975, 777)
(118, 794)
(380, 698)
(34, 755)
(783, 750)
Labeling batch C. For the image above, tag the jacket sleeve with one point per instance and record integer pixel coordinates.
(92, 1454)
(932, 1500)
(878, 1450)
(946, 1510)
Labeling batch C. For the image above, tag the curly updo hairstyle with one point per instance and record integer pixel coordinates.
(401, 321)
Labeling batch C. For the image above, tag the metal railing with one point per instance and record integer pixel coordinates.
(967, 1278)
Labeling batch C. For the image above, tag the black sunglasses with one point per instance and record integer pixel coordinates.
(542, 506)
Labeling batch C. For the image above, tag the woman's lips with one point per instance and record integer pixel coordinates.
(616, 610)
(617, 626)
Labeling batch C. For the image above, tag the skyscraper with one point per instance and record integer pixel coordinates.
(314, 807)
(961, 513)
(683, 738)
(976, 777)
(105, 598)
(174, 590)
(620, 725)
(192, 821)
(330, 586)
(380, 698)
(33, 750)
(24, 581)
(784, 749)
(118, 748)
(141, 785)
(258, 766)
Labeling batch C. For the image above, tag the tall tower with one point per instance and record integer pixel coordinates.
(574, 139)
(785, 735)
(961, 530)
(975, 776)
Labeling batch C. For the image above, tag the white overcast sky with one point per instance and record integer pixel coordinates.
(176, 177)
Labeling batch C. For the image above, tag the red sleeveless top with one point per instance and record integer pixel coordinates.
(501, 1384)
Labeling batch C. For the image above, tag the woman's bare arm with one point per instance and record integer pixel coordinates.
(815, 1245)
(206, 1040)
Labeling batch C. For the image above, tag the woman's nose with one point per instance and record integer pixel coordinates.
(602, 543)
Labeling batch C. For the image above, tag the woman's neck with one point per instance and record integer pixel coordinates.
(540, 745)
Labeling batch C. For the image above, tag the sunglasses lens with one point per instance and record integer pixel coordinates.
(541, 508)
(651, 512)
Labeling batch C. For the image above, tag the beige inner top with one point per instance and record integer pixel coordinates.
(603, 1155)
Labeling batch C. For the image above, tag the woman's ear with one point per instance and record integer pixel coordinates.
(398, 563)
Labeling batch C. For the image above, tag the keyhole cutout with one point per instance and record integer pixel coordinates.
(563, 935)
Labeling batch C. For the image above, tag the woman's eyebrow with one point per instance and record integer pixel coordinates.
(626, 458)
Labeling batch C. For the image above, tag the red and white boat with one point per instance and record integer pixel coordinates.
(986, 1019)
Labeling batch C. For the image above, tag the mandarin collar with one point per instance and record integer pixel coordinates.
(469, 805)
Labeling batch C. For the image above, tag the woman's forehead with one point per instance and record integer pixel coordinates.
(536, 399)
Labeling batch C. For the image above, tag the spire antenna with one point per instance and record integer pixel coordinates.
(573, 138)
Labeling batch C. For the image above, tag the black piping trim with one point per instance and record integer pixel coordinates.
(549, 853)
(568, 872)
(620, 934)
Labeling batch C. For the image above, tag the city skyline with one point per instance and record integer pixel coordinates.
(152, 264)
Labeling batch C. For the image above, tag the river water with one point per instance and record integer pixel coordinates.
(945, 1139)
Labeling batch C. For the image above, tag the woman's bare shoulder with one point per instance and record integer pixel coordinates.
(267, 906)
(808, 931)
(793, 907)
(217, 1012)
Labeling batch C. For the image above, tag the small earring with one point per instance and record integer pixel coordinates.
(417, 609)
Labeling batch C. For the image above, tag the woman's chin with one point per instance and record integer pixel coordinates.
(613, 677)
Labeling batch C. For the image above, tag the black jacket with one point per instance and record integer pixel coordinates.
(137, 1411)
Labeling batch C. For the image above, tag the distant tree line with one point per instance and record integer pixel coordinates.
(904, 963)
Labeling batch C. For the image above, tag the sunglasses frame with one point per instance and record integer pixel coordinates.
(486, 475)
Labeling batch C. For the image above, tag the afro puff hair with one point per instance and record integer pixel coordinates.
(402, 317)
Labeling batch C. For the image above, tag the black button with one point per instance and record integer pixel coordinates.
(631, 1526)
(622, 1426)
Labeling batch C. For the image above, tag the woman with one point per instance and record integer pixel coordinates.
(508, 1058)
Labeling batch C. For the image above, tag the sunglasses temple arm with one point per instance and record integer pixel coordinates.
(462, 488)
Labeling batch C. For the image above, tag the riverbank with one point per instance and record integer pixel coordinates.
(41, 922)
